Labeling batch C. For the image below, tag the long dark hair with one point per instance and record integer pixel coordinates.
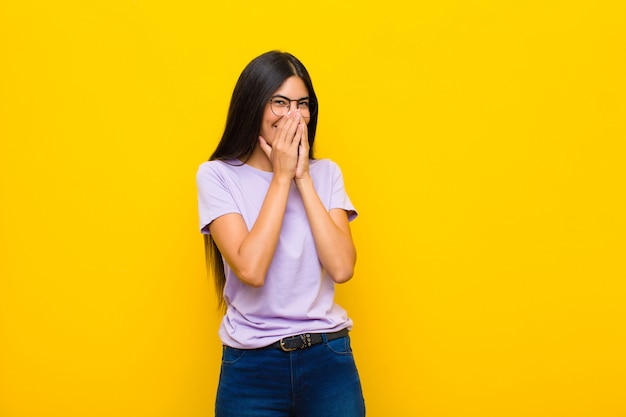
(258, 81)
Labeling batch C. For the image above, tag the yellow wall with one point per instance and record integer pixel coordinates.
(482, 141)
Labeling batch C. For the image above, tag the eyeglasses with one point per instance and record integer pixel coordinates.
(280, 105)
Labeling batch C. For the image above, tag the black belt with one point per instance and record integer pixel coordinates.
(305, 340)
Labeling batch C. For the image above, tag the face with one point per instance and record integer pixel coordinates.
(294, 89)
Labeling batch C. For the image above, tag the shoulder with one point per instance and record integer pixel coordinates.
(325, 168)
(324, 165)
(215, 169)
(213, 166)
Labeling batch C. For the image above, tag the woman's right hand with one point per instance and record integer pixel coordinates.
(282, 151)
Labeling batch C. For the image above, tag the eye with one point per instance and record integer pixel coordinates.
(280, 102)
(303, 104)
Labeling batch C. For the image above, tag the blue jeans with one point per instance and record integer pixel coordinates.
(319, 381)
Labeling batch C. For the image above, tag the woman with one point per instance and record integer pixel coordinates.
(276, 225)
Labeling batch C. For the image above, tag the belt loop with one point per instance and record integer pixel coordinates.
(324, 338)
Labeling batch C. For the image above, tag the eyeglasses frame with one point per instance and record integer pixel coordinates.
(298, 100)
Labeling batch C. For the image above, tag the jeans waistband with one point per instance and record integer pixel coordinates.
(305, 340)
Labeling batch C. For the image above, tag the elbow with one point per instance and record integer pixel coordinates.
(342, 275)
(252, 279)
(342, 269)
(255, 283)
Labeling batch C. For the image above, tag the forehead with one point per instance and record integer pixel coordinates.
(293, 87)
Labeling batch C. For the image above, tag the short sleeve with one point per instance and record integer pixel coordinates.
(339, 196)
(214, 196)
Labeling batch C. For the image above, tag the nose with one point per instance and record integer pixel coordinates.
(294, 107)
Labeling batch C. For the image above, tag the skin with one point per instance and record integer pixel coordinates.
(283, 149)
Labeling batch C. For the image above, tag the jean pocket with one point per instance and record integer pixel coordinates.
(232, 355)
(340, 346)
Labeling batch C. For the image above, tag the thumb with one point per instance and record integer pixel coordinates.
(265, 147)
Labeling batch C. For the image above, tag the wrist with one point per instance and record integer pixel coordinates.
(282, 180)
(304, 181)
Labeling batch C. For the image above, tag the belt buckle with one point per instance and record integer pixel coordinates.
(305, 338)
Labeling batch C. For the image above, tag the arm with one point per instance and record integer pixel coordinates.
(250, 253)
(331, 230)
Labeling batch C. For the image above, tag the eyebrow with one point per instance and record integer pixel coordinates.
(295, 99)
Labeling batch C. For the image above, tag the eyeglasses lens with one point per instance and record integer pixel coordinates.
(280, 106)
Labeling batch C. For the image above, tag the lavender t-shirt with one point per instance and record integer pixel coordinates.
(298, 295)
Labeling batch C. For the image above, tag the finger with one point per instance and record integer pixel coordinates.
(265, 147)
(304, 141)
(291, 126)
(285, 130)
(305, 130)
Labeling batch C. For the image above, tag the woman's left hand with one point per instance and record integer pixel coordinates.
(302, 166)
